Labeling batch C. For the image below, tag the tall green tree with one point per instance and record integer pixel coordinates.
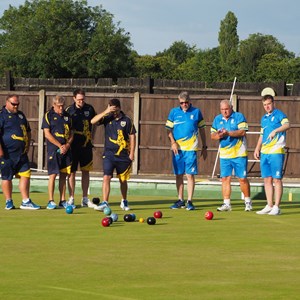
(63, 38)
(228, 46)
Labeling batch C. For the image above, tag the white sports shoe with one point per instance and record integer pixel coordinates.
(86, 202)
(275, 211)
(224, 207)
(265, 210)
(101, 206)
(71, 201)
(248, 206)
(124, 205)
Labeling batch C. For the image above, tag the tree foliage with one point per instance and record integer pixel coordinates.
(228, 46)
(63, 38)
(253, 49)
(273, 68)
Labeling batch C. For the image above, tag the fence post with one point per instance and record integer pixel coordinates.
(9, 81)
(40, 158)
(136, 121)
(234, 102)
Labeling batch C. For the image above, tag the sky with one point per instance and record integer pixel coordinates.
(155, 25)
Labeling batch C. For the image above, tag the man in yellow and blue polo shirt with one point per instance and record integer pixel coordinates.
(183, 124)
(270, 150)
(230, 129)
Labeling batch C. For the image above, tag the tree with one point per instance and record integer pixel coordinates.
(228, 46)
(63, 38)
(204, 66)
(179, 51)
(253, 49)
(147, 66)
(273, 68)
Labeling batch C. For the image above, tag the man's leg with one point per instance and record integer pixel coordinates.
(106, 187)
(245, 187)
(24, 185)
(62, 186)
(226, 187)
(51, 186)
(190, 186)
(71, 184)
(7, 189)
(278, 191)
(85, 183)
(180, 186)
(124, 189)
(268, 182)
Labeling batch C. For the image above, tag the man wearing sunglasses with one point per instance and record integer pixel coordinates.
(15, 134)
(183, 124)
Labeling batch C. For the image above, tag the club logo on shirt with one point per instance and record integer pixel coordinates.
(86, 113)
(123, 123)
(20, 116)
(232, 121)
(272, 119)
(66, 118)
(192, 117)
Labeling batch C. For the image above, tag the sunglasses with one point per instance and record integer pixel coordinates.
(185, 102)
(14, 104)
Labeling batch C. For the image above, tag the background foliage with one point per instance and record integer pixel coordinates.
(64, 38)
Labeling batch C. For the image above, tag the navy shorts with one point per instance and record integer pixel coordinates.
(122, 165)
(82, 156)
(58, 163)
(18, 166)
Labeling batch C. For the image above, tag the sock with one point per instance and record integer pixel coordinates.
(227, 202)
(247, 199)
(25, 200)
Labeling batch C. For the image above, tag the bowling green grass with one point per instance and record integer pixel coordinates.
(238, 255)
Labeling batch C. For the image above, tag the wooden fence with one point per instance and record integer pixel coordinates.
(143, 85)
(149, 112)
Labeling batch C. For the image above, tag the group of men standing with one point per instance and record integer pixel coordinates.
(69, 133)
(229, 128)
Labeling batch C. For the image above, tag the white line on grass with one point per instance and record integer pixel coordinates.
(87, 292)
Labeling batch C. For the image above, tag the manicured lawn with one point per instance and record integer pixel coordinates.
(238, 255)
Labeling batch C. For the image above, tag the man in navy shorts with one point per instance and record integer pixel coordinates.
(15, 134)
(57, 126)
(82, 147)
(120, 141)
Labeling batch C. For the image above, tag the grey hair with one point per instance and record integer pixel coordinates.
(226, 101)
(58, 99)
(184, 96)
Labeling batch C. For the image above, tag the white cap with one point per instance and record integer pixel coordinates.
(267, 91)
